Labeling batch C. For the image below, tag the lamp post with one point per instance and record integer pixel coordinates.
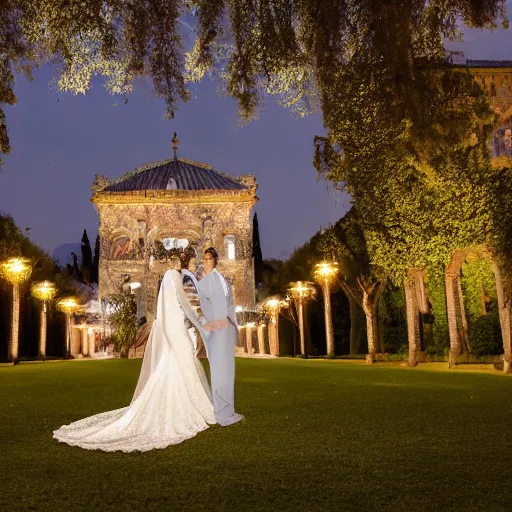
(16, 271)
(273, 306)
(324, 273)
(301, 292)
(43, 291)
(68, 306)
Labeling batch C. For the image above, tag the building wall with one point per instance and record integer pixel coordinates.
(128, 233)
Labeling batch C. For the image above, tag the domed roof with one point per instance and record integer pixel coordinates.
(174, 174)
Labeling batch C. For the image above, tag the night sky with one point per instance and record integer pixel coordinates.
(59, 142)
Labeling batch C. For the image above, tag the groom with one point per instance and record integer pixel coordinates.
(218, 307)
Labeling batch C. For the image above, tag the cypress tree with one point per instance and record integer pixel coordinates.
(256, 252)
(86, 258)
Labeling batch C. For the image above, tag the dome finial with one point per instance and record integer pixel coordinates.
(175, 143)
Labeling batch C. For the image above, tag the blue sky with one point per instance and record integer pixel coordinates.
(59, 142)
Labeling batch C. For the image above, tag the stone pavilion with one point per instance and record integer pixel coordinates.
(161, 206)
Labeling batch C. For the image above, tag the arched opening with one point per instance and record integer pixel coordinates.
(230, 247)
(480, 306)
(171, 184)
(474, 306)
(122, 248)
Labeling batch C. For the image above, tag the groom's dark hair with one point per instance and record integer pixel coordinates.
(213, 252)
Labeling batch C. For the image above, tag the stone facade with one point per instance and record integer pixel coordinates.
(495, 78)
(136, 224)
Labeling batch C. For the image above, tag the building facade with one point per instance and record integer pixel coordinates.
(495, 78)
(147, 213)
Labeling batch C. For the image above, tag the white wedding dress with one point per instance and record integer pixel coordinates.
(172, 401)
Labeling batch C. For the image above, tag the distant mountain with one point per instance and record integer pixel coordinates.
(63, 253)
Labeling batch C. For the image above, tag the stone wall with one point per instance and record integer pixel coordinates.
(129, 231)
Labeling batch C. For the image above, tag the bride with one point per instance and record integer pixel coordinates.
(172, 401)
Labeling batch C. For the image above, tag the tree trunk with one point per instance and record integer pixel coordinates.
(503, 290)
(483, 299)
(371, 297)
(451, 308)
(413, 320)
(371, 333)
(355, 326)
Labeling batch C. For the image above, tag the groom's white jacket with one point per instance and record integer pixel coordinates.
(216, 296)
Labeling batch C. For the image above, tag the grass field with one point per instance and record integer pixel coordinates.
(318, 435)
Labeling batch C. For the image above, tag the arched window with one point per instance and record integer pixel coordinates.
(229, 247)
(169, 243)
(171, 184)
(122, 248)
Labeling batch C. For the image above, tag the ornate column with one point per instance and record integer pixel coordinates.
(453, 305)
(85, 341)
(248, 337)
(261, 338)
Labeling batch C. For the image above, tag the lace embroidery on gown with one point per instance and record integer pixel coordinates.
(172, 401)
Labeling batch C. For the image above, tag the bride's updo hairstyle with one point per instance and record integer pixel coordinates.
(186, 255)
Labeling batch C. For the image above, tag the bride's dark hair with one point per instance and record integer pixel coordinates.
(186, 255)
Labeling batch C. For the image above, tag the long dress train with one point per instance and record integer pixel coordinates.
(172, 401)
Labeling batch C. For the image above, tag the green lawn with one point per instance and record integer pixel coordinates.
(318, 435)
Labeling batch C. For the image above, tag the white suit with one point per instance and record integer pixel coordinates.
(217, 303)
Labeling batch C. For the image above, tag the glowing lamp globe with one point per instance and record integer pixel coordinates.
(16, 270)
(68, 305)
(44, 290)
(326, 270)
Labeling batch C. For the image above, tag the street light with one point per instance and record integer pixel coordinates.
(301, 292)
(68, 306)
(16, 271)
(324, 273)
(273, 306)
(43, 291)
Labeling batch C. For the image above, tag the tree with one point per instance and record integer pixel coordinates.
(291, 48)
(363, 284)
(86, 258)
(123, 319)
(96, 261)
(14, 243)
(256, 253)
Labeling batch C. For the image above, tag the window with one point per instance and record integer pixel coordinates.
(229, 247)
(169, 243)
(171, 184)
